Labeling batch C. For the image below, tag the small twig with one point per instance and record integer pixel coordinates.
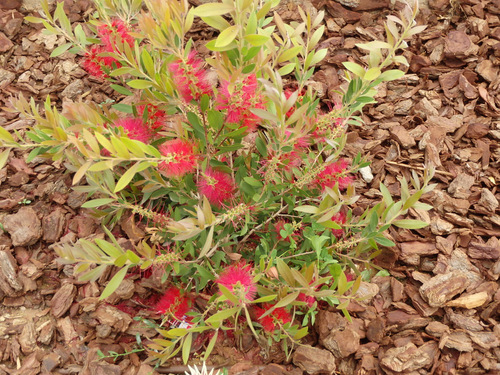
(418, 168)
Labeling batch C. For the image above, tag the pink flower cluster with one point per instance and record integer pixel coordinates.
(116, 32)
(238, 280)
(181, 158)
(339, 218)
(217, 186)
(190, 78)
(135, 128)
(94, 62)
(274, 320)
(174, 303)
(335, 173)
(238, 99)
(156, 117)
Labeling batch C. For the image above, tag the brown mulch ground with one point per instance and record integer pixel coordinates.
(438, 310)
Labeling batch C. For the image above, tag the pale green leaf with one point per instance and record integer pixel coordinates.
(97, 202)
(213, 9)
(114, 283)
(410, 224)
(226, 36)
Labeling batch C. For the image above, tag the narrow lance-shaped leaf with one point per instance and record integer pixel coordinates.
(114, 283)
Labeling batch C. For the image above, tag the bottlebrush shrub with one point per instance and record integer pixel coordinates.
(227, 158)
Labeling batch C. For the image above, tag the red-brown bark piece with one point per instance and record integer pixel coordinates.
(442, 288)
(314, 360)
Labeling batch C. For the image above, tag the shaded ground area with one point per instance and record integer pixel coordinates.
(438, 310)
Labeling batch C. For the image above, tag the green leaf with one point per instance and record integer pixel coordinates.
(133, 257)
(372, 74)
(114, 283)
(285, 272)
(108, 248)
(289, 54)
(80, 172)
(208, 243)
(261, 146)
(391, 75)
(80, 34)
(61, 49)
(386, 195)
(33, 19)
(318, 56)
(217, 22)
(129, 175)
(186, 347)
(410, 224)
(211, 345)
(125, 108)
(147, 60)
(287, 300)
(5, 135)
(219, 317)
(307, 209)
(287, 69)
(4, 156)
(265, 299)
(226, 36)
(253, 182)
(412, 200)
(384, 241)
(227, 293)
(97, 202)
(213, 9)
(331, 224)
(122, 90)
(354, 68)
(257, 40)
(139, 84)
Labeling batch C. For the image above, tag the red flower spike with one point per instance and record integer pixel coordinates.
(217, 186)
(239, 281)
(173, 303)
(180, 156)
(135, 128)
(271, 322)
(93, 62)
(190, 78)
(116, 31)
(333, 173)
(339, 218)
(239, 103)
(309, 300)
(156, 117)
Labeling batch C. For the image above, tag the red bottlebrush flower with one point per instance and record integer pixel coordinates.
(309, 300)
(115, 32)
(239, 281)
(217, 186)
(190, 77)
(300, 142)
(93, 62)
(272, 321)
(333, 173)
(339, 218)
(180, 158)
(240, 100)
(135, 128)
(173, 303)
(156, 117)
